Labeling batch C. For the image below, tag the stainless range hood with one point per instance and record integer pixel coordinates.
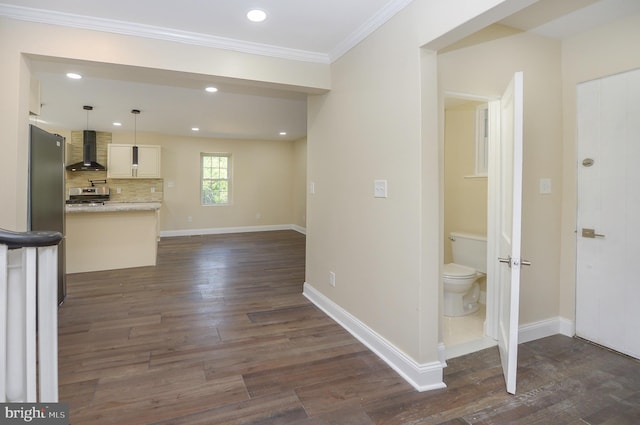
(88, 162)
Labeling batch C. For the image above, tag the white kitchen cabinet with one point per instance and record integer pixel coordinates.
(120, 162)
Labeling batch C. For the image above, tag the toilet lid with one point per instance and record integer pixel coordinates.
(457, 271)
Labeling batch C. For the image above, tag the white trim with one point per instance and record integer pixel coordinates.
(526, 333)
(422, 377)
(299, 229)
(493, 221)
(149, 31)
(442, 354)
(187, 37)
(545, 328)
(469, 347)
(225, 230)
(366, 29)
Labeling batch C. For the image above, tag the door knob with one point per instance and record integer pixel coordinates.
(506, 261)
(591, 233)
(511, 261)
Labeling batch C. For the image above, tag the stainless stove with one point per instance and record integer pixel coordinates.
(88, 196)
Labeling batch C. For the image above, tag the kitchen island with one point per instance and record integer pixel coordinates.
(115, 235)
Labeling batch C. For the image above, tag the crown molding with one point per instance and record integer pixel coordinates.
(366, 29)
(159, 33)
(199, 39)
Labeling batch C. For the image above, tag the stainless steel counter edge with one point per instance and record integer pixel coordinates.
(113, 207)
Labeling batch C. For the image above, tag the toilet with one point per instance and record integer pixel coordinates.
(460, 278)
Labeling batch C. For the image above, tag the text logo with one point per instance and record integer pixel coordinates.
(34, 413)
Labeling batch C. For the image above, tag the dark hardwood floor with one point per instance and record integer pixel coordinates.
(219, 333)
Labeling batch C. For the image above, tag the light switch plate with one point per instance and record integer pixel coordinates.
(545, 186)
(380, 189)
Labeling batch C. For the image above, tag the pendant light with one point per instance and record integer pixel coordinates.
(135, 113)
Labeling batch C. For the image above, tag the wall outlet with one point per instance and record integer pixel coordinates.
(153, 190)
(332, 279)
(189, 219)
(118, 190)
(380, 188)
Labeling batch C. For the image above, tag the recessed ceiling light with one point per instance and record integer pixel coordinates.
(211, 89)
(283, 133)
(256, 15)
(195, 129)
(117, 124)
(74, 76)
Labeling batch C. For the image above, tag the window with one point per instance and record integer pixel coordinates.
(482, 140)
(216, 178)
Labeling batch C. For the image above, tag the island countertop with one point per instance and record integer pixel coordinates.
(113, 207)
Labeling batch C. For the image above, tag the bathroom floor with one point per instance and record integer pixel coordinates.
(465, 334)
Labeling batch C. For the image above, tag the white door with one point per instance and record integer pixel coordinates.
(509, 227)
(608, 214)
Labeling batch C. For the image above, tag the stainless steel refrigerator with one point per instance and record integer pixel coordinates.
(46, 199)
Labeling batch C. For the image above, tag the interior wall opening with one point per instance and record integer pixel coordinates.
(467, 287)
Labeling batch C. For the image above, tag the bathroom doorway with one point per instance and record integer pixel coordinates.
(467, 176)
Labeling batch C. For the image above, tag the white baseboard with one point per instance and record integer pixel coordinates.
(225, 230)
(422, 377)
(526, 333)
(469, 347)
(545, 328)
(299, 229)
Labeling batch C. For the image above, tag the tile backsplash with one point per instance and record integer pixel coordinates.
(131, 190)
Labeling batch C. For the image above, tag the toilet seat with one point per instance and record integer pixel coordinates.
(456, 271)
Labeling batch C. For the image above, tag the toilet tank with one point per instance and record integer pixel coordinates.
(469, 250)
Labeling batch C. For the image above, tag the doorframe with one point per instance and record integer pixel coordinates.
(493, 218)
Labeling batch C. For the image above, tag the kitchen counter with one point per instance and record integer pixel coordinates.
(113, 207)
(115, 235)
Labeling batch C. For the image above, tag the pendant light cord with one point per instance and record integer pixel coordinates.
(135, 113)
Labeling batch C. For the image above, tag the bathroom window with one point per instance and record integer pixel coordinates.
(215, 179)
(482, 140)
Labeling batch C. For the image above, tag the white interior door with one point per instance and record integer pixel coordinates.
(509, 228)
(608, 224)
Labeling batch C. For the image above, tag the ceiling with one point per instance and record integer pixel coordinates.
(174, 103)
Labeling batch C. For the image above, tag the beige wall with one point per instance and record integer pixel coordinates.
(380, 122)
(263, 179)
(269, 180)
(604, 51)
(367, 128)
(484, 68)
(465, 196)
(299, 187)
(18, 39)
